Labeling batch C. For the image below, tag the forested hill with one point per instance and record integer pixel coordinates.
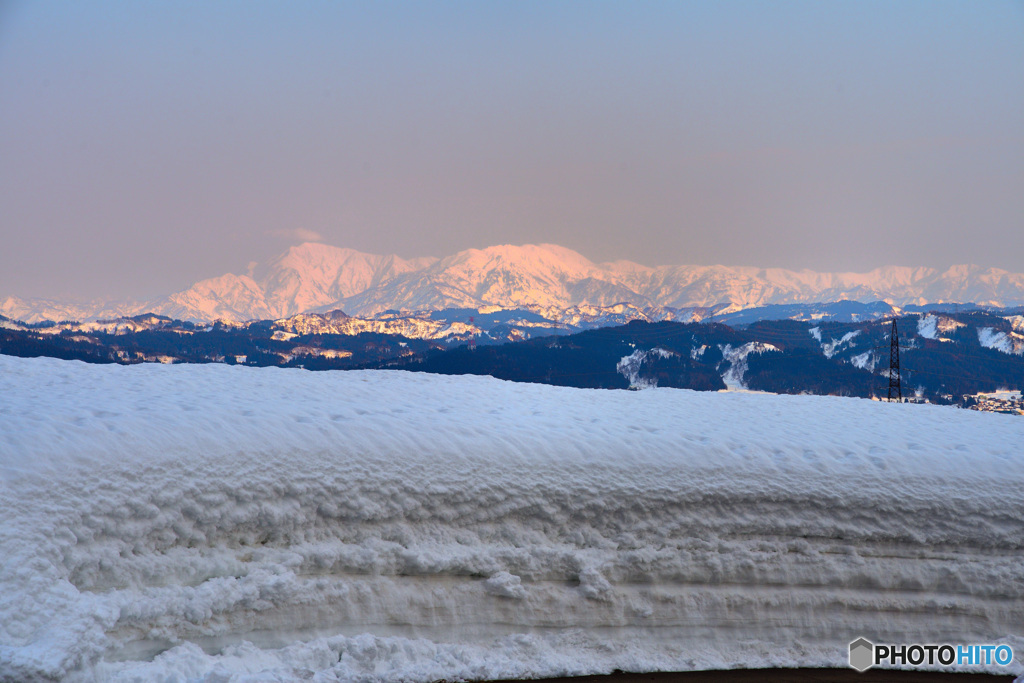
(944, 355)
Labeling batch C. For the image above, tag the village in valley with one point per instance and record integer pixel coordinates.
(1009, 402)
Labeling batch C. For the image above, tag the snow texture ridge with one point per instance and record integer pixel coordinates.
(220, 523)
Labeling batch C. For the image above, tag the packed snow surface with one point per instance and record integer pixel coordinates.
(221, 523)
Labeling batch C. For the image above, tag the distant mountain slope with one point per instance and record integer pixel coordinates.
(37, 310)
(318, 278)
(304, 278)
(508, 276)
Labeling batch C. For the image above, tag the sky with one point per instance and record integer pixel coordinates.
(144, 146)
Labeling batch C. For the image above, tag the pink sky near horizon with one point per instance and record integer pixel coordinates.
(146, 146)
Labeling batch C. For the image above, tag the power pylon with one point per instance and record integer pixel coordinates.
(894, 364)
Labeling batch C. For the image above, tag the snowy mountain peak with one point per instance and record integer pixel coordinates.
(305, 277)
(316, 277)
(540, 261)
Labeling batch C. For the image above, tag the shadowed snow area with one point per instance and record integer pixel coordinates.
(225, 523)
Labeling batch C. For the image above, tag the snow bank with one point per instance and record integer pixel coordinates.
(223, 523)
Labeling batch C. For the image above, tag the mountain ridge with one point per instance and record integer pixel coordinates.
(315, 278)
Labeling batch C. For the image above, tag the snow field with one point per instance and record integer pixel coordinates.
(224, 523)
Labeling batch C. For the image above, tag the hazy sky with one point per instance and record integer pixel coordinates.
(144, 145)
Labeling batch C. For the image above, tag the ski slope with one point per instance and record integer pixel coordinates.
(220, 523)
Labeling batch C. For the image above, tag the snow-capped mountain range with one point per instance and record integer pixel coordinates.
(314, 277)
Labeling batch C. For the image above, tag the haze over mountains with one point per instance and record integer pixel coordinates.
(314, 277)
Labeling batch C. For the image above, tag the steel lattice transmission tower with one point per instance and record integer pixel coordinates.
(894, 364)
